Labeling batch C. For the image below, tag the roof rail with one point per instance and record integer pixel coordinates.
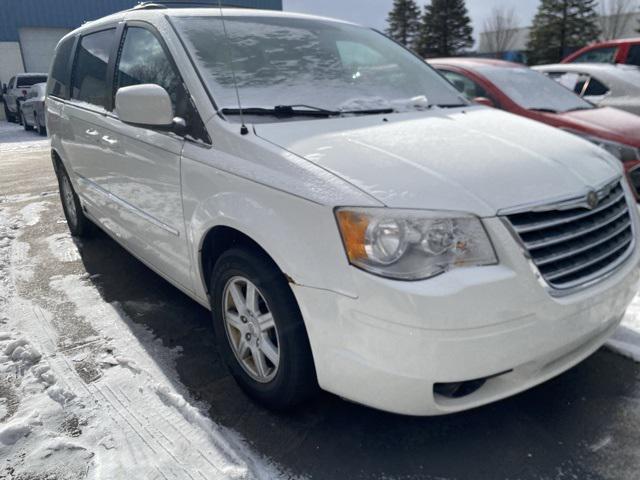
(160, 4)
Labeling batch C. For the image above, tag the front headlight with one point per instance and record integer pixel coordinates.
(413, 245)
(622, 152)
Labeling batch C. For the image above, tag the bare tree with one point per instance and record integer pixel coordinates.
(615, 16)
(501, 29)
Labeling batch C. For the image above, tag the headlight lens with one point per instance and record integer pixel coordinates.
(413, 245)
(622, 152)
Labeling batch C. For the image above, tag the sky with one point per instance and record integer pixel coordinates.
(373, 13)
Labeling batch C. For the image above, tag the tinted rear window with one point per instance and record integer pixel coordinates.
(90, 70)
(59, 85)
(28, 81)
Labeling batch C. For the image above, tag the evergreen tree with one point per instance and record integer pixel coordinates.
(445, 29)
(404, 22)
(561, 26)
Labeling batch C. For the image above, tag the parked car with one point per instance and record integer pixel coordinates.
(17, 91)
(605, 85)
(525, 92)
(613, 51)
(357, 224)
(32, 109)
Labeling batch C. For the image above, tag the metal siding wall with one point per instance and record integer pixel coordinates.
(73, 13)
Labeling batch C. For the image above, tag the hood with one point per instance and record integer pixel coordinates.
(608, 123)
(478, 160)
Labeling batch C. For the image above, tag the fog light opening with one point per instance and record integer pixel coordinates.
(463, 389)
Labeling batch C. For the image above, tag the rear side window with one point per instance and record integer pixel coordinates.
(144, 60)
(598, 55)
(595, 88)
(30, 81)
(464, 85)
(59, 85)
(634, 55)
(89, 82)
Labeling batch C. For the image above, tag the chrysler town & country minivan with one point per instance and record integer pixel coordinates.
(352, 222)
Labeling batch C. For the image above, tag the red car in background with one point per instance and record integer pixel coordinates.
(525, 92)
(614, 51)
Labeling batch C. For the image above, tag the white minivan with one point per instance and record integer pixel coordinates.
(352, 223)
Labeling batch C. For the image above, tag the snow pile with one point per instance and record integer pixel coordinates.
(626, 340)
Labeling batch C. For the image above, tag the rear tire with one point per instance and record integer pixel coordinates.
(285, 374)
(79, 225)
(23, 120)
(41, 129)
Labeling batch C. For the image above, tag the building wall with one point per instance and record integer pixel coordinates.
(10, 60)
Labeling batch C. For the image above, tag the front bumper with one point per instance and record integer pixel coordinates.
(391, 345)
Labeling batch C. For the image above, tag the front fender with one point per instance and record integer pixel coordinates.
(301, 237)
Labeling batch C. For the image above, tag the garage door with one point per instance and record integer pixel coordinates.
(38, 45)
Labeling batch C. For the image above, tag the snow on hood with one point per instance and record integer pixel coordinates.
(477, 159)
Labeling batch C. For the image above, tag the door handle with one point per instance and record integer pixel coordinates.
(109, 140)
(92, 132)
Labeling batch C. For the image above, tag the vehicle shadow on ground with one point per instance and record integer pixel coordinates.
(572, 427)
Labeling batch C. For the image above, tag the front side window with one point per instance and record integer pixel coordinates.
(144, 60)
(59, 85)
(533, 90)
(634, 56)
(89, 83)
(324, 64)
(598, 55)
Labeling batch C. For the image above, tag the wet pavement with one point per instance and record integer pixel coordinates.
(582, 425)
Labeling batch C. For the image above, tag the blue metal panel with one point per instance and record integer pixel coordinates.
(15, 14)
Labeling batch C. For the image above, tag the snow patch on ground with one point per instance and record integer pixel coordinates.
(105, 404)
(626, 340)
(13, 138)
(63, 247)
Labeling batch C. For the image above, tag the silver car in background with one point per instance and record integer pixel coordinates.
(32, 110)
(17, 91)
(603, 84)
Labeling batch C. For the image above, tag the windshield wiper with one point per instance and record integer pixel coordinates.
(452, 105)
(285, 111)
(544, 110)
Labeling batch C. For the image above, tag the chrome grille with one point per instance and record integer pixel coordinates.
(573, 244)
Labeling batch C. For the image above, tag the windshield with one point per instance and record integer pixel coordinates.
(533, 90)
(280, 61)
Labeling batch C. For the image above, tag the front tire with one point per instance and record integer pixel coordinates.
(79, 225)
(260, 331)
(11, 117)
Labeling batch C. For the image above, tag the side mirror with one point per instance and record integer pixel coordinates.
(146, 105)
(487, 102)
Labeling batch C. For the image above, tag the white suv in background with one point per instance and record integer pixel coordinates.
(357, 225)
(17, 91)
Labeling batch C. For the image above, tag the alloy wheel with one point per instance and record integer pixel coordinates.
(251, 329)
